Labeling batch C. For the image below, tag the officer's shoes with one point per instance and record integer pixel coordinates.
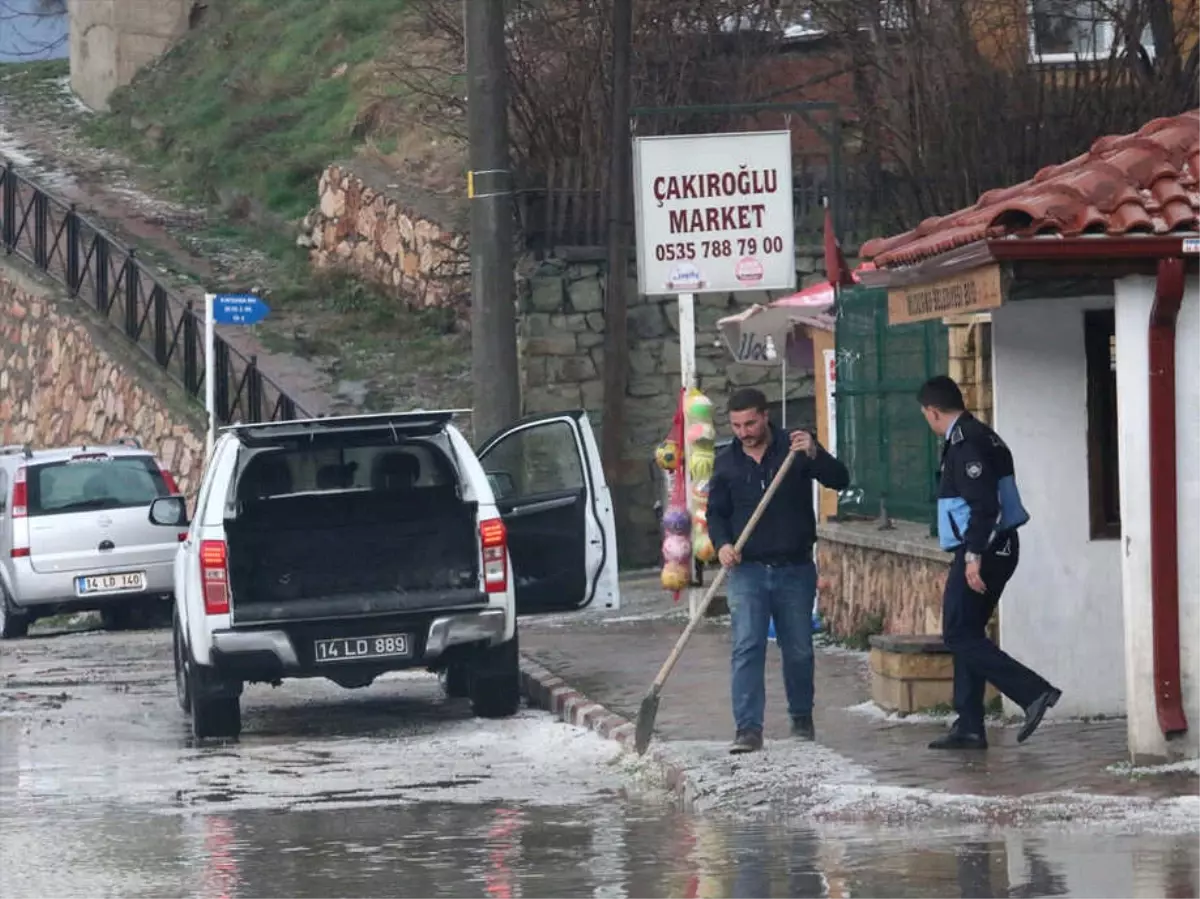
(1036, 710)
(956, 740)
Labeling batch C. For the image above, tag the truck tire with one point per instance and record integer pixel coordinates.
(456, 681)
(182, 692)
(495, 681)
(213, 717)
(13, 624)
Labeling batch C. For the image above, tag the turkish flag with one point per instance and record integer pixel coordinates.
(836, 269)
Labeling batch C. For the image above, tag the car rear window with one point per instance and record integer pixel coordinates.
(82, 485)
(411, 465)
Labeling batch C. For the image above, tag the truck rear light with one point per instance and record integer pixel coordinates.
(214, 575)
(20, 552)
(20, 497)
(493, 537)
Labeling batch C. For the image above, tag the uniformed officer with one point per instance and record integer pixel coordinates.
(979, 512)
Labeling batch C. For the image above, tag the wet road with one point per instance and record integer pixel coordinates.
(394, 791)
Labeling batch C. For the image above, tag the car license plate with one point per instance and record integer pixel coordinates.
(125, 582)
(360, 649)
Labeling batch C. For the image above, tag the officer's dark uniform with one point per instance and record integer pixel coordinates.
(979, 512)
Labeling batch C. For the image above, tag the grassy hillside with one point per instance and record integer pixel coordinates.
(241, 117)
(262, 95)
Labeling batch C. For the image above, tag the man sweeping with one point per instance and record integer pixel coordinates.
(774, 575)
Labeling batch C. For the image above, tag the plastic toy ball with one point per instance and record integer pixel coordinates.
(699, 408)
(667, 455)
(677, 521)
(700, 466)
(677, 548)
(701, 432)
(704, 549)
(675, 577)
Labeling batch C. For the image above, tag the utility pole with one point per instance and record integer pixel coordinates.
(616, 305)
(497, 389)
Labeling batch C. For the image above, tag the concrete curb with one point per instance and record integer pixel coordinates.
(547, 691)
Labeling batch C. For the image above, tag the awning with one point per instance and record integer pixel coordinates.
(758, 335)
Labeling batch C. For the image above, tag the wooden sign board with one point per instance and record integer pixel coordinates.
(969, 292)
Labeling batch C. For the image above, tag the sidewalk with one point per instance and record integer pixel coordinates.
(612, 659)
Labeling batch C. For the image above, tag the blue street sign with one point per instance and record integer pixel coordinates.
(238, 309)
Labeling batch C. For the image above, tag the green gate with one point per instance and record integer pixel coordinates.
(882, 438)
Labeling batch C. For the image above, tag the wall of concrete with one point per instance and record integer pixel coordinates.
(111, 40)
(1062, 613)
(1134, 297)
(66, 378)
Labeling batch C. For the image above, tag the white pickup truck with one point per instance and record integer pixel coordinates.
(347, 547)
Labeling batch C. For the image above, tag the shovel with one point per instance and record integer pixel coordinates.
(649, 708)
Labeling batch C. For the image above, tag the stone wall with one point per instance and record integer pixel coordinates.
(110, 40)
(358, 224)
(65, 381)
(561, 336)
(894, 577)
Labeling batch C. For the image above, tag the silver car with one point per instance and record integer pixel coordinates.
(75, 533)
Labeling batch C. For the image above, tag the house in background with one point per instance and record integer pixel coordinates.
(1090, 274)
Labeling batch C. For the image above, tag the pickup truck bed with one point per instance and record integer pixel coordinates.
(352, 553)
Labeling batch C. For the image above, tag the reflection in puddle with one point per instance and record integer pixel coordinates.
(609, 850)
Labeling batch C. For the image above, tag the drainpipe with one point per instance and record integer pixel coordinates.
(1164, 520)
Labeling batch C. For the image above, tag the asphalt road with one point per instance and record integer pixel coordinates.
(395, 791)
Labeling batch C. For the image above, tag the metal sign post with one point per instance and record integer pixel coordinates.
(223, 309)
(714, 214)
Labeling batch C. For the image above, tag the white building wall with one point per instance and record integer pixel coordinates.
(1134, 297)
(1062, 613)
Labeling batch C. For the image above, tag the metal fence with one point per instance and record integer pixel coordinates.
(882, 438)
(109, 277)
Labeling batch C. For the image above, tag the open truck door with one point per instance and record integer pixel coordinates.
(550, 489)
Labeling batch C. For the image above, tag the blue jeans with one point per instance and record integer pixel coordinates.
(758, 593)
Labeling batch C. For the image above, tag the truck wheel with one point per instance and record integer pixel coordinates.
(182, 692)
(116, 618)
(13, 624)
(213, 717)
(495, 681)
(456, 681)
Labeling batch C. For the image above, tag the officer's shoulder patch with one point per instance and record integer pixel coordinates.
(974, 469)
(956, 435)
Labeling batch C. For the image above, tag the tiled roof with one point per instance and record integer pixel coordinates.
(1143, 183)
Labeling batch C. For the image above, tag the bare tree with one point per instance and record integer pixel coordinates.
(23, 28)
(957, 99)
(559, 56)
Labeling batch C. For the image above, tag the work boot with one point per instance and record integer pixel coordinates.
(802, 728)
(746, 741)
(954, 739)
(1036, 710)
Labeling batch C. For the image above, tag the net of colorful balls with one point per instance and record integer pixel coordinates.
(685, 522)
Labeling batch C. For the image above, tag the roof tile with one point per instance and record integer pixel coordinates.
(1142, 183)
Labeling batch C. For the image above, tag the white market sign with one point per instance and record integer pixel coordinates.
(714, 213)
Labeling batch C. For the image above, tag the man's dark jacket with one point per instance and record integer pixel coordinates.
(787, 530)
